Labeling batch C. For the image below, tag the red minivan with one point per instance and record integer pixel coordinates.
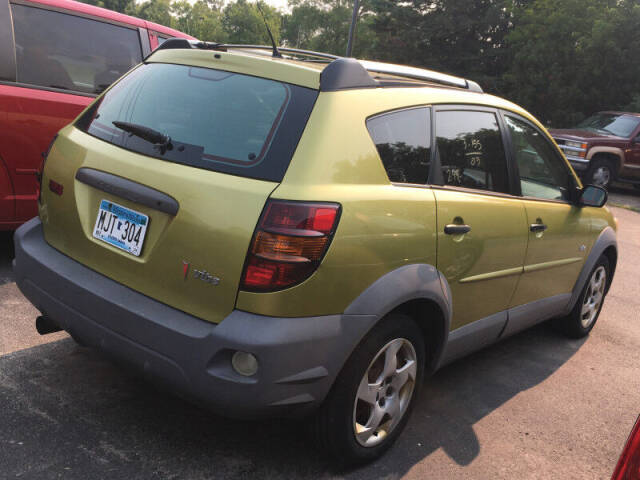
(56, 56)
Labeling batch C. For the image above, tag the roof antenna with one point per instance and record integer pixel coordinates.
(276, 53)
(352, 27)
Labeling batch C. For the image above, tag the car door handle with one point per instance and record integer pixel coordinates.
(537, 227)
(453, 229)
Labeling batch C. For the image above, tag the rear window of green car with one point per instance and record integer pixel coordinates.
(222, 121)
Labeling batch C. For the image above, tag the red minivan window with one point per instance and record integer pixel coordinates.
(57, 50)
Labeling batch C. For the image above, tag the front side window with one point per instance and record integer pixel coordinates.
(542, 172)
(404, 144)
(57, 50)
(211, 119)
(471, 151)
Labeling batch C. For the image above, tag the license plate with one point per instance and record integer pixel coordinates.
(121, 227)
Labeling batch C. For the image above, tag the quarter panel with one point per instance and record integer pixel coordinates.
(381, 229)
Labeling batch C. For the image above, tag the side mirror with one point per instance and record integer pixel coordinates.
(593, 196)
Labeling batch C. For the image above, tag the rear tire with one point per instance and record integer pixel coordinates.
(586, 311)
(372, 398)
(601, 173)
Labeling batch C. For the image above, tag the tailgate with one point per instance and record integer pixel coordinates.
(184, 251)
(160, 183)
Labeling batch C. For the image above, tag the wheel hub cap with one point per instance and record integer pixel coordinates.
(601, 176)
(384, 392)
(593, 297)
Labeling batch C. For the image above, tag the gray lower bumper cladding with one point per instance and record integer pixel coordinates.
(299, 358)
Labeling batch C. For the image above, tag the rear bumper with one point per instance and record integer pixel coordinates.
(299, 358)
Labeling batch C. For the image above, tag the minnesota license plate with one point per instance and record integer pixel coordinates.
(121, 227)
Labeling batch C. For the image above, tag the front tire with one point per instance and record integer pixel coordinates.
(371, 401)
(587, 309)
(601, 173)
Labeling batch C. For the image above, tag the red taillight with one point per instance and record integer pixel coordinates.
(628, 467)
(289, 243)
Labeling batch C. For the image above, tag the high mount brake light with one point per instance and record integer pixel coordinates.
(628, 467)
(290, 240)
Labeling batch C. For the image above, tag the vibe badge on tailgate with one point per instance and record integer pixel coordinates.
(121, 227)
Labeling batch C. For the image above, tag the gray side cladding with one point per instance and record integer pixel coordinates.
(410, 282)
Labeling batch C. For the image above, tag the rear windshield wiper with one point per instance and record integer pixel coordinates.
(159, 140)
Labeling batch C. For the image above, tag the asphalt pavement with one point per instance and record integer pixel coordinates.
(625, 195)
(534, 406)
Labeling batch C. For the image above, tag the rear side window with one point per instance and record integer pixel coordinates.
(404, 144)
(217, 120)
(58, 50)
(471, 151)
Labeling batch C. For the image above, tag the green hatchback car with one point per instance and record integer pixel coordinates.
(302, 234)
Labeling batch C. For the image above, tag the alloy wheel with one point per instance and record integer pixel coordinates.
(385, 392)
(602, 176)
(593, 297)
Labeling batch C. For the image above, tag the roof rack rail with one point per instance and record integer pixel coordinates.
(172, 43)
(341, 73)
(420, 74)
(346, 73)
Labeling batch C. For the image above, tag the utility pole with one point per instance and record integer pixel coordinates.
(352, 28)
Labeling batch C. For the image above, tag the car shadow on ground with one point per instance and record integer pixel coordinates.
(68, 410)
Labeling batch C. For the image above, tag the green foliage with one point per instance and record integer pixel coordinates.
(462, 37)
(202, 20)
(323, 25)
(561, 59)
(157, 11)
(570, 58)
(244, 24)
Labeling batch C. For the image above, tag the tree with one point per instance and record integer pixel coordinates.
(461, 37)
(243, 23)
(560, 59)
(203, 19)
(323, 25)
(157, 11)
(570, 58)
